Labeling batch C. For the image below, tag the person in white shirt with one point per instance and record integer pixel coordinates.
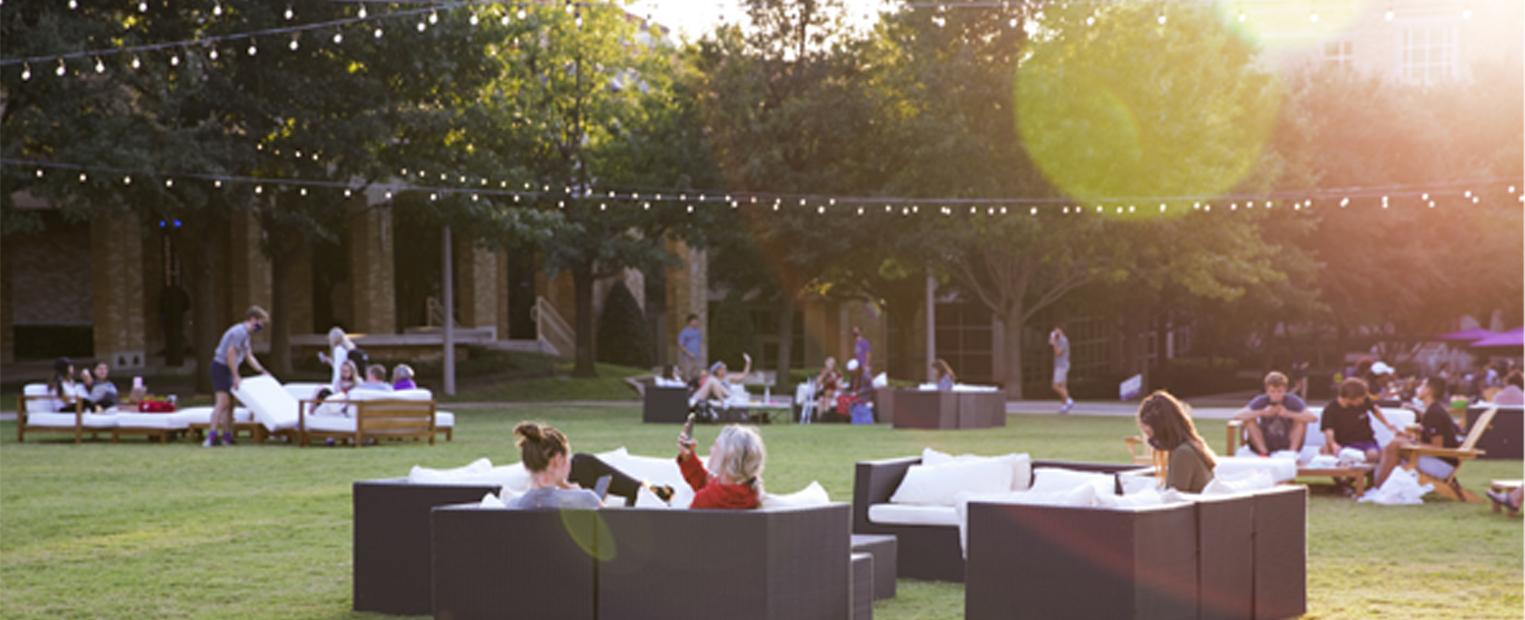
(340, 345)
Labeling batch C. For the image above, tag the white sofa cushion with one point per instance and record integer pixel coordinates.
(50, 420)
(1279, 469)
(904, 514)
(330, 424)
(1055, 480)
(1021, 464)
(469, 473)
(938, 485)
(1246, 481)
(202, 416)
(444, 419)
(305, 391)
(272, 405)
(48, 405)
(812, 495)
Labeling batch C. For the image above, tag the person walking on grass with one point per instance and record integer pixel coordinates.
(233, 350)
(1061, 345)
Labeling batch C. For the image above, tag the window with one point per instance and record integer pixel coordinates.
(1429, 54)
(1339, 54)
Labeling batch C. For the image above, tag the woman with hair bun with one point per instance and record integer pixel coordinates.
(560, 479)
(1166, 423)
(733, 478)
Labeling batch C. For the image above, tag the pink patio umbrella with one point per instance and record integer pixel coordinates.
(1471, 334)
(1512, 339)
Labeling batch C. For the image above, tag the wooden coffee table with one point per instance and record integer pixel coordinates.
(1355, 472)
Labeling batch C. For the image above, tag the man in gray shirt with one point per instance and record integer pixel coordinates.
(1061, 345)
(232, 351)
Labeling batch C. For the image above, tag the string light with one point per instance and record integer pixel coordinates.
(83, 177)
(100, 67)
(253, 50)
(217, 9)
(361, 14)
(26, 72)
(174, 61)
(289, 14)
(212, 54)
(294, 45)
(142, 7)
(61, 70)
(338, 38)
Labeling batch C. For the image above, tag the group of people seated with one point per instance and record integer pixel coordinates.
(89, 390)
(345, 362)
(559, 478)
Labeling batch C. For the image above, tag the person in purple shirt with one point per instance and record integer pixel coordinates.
(862, 351)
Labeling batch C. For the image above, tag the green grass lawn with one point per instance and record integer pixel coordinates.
(140, 530)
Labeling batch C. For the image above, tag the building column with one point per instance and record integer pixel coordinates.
(373, 295)
(116, 284)
(476, 279)
(502, 291)
(687, 293)
(249, 267)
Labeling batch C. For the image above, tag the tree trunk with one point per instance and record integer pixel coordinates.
(582, 283)
(280, 323)
(1011, 327)
(785, 329)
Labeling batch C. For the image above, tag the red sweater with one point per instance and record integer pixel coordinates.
(713, 493)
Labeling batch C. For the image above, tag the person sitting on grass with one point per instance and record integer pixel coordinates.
(827, 384)
(1167, 426)
(375, 379)
(732, 480)
(1347, 421)
(1275, 421)
(402, 378)
(1436, 428)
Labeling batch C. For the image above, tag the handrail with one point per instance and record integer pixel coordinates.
(555, 335)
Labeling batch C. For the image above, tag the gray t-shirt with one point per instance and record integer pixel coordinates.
(549, 497)
(1062, 355)
(236, 338)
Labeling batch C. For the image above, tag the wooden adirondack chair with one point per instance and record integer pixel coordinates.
(1450, 486)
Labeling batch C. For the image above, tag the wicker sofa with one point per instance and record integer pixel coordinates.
(391, 541)
(1231, 556)
(766, 564)
(932, 552)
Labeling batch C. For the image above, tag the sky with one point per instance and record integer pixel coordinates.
(693, 18)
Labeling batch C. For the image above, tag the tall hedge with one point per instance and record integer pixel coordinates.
(623, 337)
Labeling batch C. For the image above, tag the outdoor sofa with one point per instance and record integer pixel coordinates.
(962, 408)
(928, 538)
(615, 563)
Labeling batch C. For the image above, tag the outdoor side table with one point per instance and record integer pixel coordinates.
(882, 547)
(863, 586)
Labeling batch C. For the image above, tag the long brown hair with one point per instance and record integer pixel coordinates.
(1170, 421)
(943, 369)
(538, 444)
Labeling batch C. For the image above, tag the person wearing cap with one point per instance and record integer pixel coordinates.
(235, 348)
(717, 385)
(1276, 420)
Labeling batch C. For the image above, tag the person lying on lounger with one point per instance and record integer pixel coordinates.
(733, 478)
(560, 479)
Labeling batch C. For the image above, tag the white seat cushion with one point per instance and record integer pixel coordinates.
(50, 420)
(272, 405)
(157, 421)
(937, 485)
(444, 419)
(202, 416)
(304, 391)
(1021, 464)
(330, 424)
(100, 420)
(1056, 480)
(812, 495)
(906, 514)
(1279, 469)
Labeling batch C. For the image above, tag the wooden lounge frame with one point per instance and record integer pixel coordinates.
(1449, 486)
(78, 430)
(375, 419)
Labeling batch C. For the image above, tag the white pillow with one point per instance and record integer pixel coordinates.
(1250, 481)
(1021, 464)
(1138, 483)
(1054, 479)
(937, 485)
(812, 495)
(492, 501)
(474, 470)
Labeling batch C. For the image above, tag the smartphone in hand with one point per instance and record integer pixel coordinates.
(687, 437)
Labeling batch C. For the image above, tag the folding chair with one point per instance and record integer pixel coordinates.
(804, 397)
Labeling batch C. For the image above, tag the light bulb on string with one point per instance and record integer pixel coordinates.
(252, 49)
(348, 192)
(1012, 23)
(289, 14)
(389, 195)
(294, 44)
(26, 72)
(217, 184)
(142, 7)
(1511, 189)
(422, 26)
(136, 63)
(1388, 14)
(169, 183)
(213, 54)
(503, 20)
(1466, 12)
(1344, 202)
(174, 60)
(1161, 18)
(217, 9)
(433, 18)
(570, 7)
(259, 189)
(1313, 17)
(361, 14)
(302, 191)
(338, 38)
(83, 177)
(127, 180)
(39, 173)
(473, 20)
(522, 13)
(377, 32)
(100, 67)
(61, 70)
(73, 4)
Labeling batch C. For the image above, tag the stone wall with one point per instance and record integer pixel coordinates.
(116, 283)
(372, 294)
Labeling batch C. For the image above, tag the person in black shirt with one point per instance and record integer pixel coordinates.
(1346, 422)
(1437, 428)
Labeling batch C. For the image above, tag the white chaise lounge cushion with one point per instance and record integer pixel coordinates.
(444, 419)
(906, 514)
(91, 421)
(154, 421)
(202, 416)
(274, 407)
(304, 391)
(330, 424)
(49, 405)
(938, 485)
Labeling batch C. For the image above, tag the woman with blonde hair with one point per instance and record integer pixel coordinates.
(732, 480)
(1166, 423)
(340, 345)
